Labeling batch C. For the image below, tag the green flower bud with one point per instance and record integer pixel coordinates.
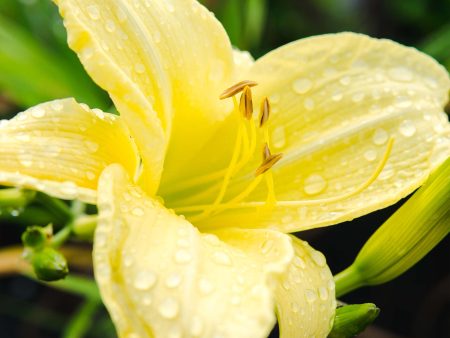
(351, 320)
(35, 237)
(408, 235)
(49, 265)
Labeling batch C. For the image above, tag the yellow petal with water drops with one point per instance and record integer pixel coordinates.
(61, 147)
(305, 295)
(164, 64)
(160, 277)
(337, 103)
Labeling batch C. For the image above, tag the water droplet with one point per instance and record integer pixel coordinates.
(110, 26)
(274, 98)
(310, 295)
(294, 307)
(319, 258)
(267, 246)
(407, 128)
(345, 80)
(323, 293)
(299, 262)
(168, 308)
(370, 155)
(279, 137)
(235, 300)
(402, 74)
(144, 280)
(337, 96)
(139, 68)
(173, 281)
(309, 104)
(301, 86)
(196, 326)
(93, 12)
(403, 102)
(37, 112)
(90, 175)
(56, 106)
(182, 256)
(25, 160)
(205, 286)
(138, 212)
(358, 97)
(91, 146)
(221, 258)
(314, 184)
(380, 136)
(69, 189)
(147, 300)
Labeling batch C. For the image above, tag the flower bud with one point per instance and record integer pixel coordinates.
(350, 320)
(408, 235)
(49, 264)
(35, 237)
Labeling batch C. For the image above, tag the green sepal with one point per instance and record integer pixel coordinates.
(49, 264)
(15, 198)
(350, 320)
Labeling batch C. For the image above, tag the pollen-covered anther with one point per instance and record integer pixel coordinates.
(264, 113)
(269, 160)
(246, 103)
(237, 88)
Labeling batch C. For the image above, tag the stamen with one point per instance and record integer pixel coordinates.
(264, 112)
(268, 163)
(246, 103)
(237, 88)
(257, 204)
(266, 152)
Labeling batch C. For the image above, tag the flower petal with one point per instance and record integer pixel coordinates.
(336, 102)
(160, 277)
(61, 147)
(305, 296)
(164, 63)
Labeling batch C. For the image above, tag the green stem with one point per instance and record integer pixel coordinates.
(61, 236)
(82, 320)
(15, 197)
(57, 207)
(78, 285)
(347, 281)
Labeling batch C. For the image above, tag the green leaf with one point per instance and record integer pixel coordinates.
(31, 73)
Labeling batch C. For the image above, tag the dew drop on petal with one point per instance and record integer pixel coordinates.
(314, 184)
(205, 286)
(221, 258)
(93, 12)
(407, 128)
(37, 112)
(319, 258)
(310, 295)
(182, 256)
(138, 212)
(323, 293)
(173, 280)
(380, 136)
(402, 74)
(144, 280)
(370, 155)
(309, 103)
(302, 85)
(279, 137)
(168, 308)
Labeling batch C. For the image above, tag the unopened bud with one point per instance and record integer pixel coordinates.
(350, 320)
(35, 237)
(49, 264)
(407, 236)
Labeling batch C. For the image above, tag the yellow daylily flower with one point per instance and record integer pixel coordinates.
(190, 242)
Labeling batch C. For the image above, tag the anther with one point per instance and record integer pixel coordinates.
(264, 112)
(246, 103)
(268, 162)
(237, 88)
